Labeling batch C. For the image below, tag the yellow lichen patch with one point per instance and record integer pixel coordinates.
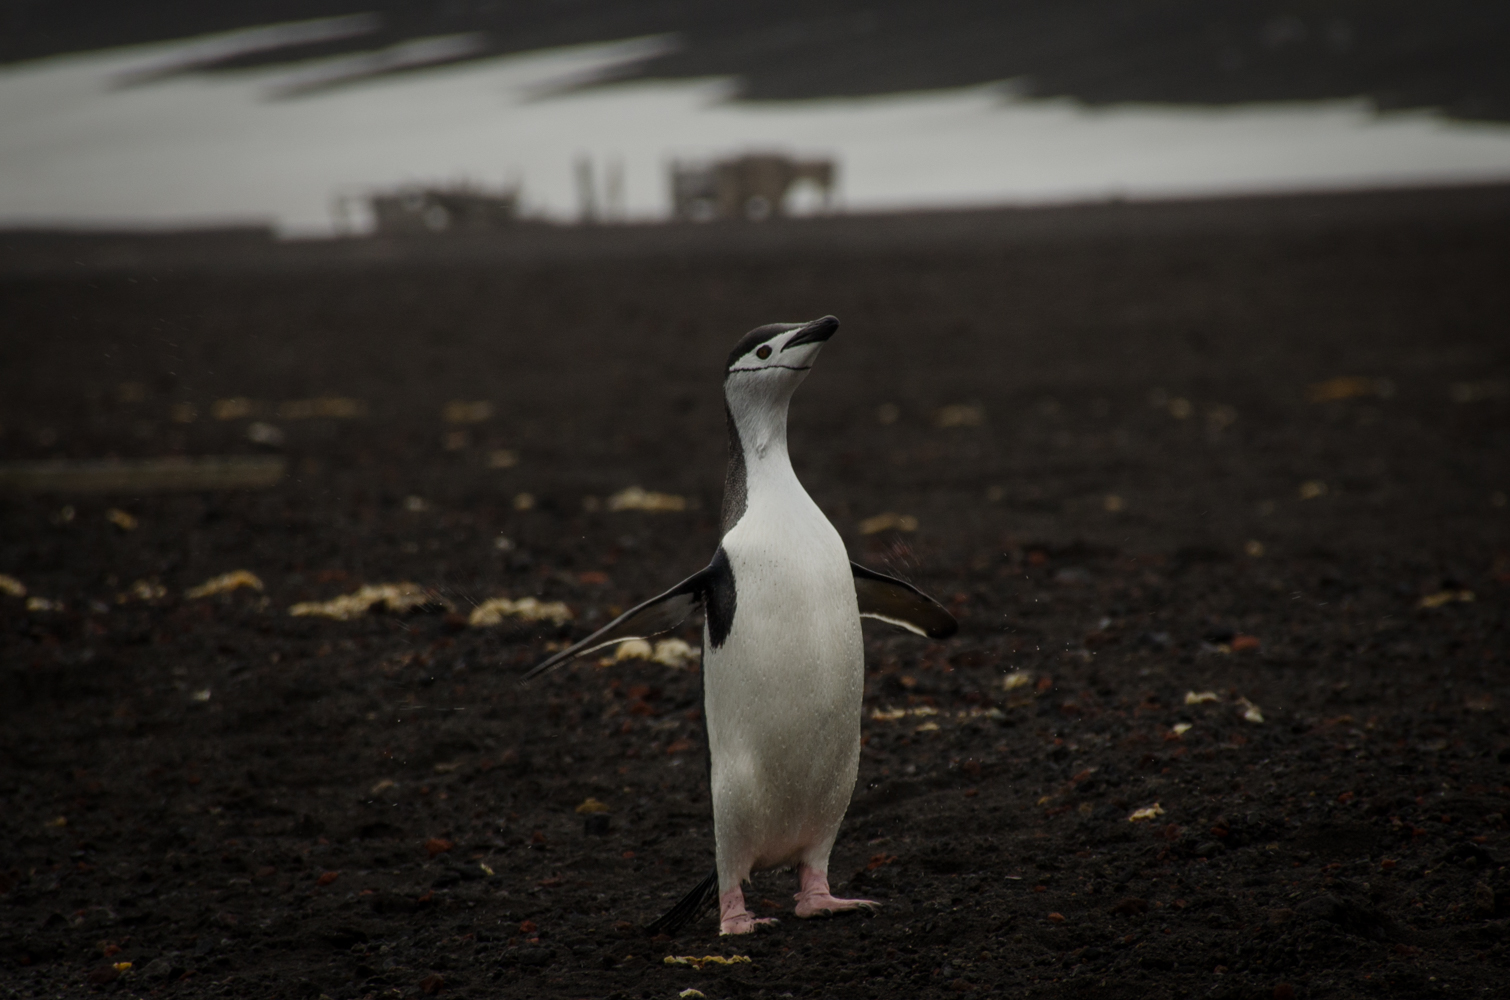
(636, 498)
(674, 653)
(224, 584)
(1335, 390)
(143, 590)
(395, 597)
(698, 963)
(495, 609)
(892, 714)
(632, 649)
(329, 407)
(888, 522)
(1442, 597)
(231, 409)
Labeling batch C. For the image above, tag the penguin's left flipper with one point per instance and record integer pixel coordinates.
(657, 615)
(888, 599)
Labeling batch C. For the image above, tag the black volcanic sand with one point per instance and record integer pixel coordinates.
(244, 803)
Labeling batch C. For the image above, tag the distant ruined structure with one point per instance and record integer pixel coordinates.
(422, 211)
(752, 187)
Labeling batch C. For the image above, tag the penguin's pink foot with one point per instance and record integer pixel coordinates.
(733, 917)
(815, 900)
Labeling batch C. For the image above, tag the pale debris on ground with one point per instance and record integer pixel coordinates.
(224, 584)
(888, 522)
(494, 610)
(1146, 813)
(1250, 711)
(396, 597)
(1016, 679)
(637, 498)
(1200, 697)
(143, 590)
(11, 587)
(698, 963)
(667, 652)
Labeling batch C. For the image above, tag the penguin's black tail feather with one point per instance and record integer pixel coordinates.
(687, 909)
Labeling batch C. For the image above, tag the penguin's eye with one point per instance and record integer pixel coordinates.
(763, 352)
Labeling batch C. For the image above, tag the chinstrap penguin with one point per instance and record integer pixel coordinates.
(783, 658)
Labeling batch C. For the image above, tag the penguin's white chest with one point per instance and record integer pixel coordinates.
(783, 693)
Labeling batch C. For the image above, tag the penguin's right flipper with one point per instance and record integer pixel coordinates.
(687, 909)
(657, 615)
(890, 600)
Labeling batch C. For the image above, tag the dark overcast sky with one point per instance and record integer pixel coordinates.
(1449, 54)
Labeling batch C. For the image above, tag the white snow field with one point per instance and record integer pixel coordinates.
(125, 139)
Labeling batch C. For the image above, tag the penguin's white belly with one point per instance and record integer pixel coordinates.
(783, 695)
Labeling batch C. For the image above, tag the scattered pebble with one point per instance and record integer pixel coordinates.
(121, 519)
(1201, 697)
(1250, 711)
(11, 587)
(35, 603)
(1147, 812)
(1181, 728)
(201, 695)
(224, 584)
(1016, 679)
(494, 610)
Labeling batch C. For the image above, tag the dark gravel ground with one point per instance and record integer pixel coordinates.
(244, 803)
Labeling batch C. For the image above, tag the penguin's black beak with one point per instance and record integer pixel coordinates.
(815, 332)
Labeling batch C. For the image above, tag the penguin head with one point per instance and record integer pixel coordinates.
(778, 354)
